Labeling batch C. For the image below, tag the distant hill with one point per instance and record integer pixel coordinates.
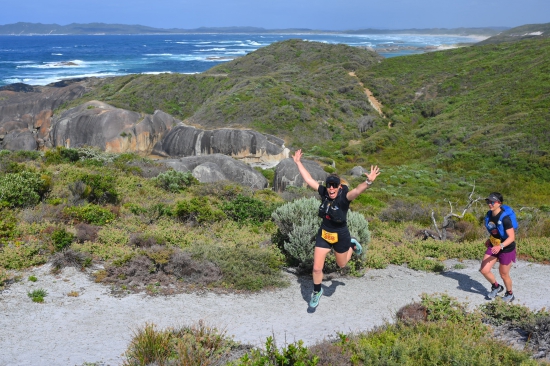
(22, 28)
(528, 31)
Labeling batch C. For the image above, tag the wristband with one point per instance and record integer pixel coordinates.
(501, 246)
(369, 182)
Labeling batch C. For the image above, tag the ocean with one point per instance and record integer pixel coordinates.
(40, 60)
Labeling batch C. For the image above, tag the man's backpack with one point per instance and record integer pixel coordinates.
(507, 211)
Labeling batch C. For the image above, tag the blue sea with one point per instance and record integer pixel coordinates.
(40, 60)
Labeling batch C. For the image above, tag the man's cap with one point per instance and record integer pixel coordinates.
(333, 179)
(493, 198)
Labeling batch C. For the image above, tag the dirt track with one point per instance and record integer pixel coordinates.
(97, 327)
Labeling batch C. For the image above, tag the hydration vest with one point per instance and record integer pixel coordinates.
(506, 211)
(327, 210)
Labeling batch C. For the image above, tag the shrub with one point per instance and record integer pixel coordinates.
(174, 181)
(401, 211)
(23, 189)
(293, 354)
(61, 155)
(90, 213)
(194, 345)
(298, 225)
(8, 225)
(85, 232)
(101, 188)
(70, 258)
(244, 208)
(61, 239)
(22, 255)
(198, 210)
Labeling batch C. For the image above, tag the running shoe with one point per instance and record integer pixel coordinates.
(495, 291)
(315, 297)
(508, 297)
(358, 248)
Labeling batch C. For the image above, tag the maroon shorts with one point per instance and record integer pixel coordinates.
(503, 258)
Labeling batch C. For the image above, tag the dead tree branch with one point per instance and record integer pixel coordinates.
(447, 219)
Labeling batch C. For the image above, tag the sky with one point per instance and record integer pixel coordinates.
(280, 14)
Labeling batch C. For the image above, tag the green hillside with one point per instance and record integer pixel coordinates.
(527, 31)
(476, 113)
(481, 112)
(287, 89)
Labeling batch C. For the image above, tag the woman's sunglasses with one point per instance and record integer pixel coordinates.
(332, 185)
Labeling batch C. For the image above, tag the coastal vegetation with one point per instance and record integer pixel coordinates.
(438, 330)
(473, 119)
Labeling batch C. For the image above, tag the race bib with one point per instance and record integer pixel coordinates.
(494, 241)
(331, 238)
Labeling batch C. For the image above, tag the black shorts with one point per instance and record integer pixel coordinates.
(341, 246)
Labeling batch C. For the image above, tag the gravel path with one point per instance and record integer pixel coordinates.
(97, 327)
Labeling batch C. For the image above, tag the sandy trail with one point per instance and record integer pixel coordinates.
(97, 327)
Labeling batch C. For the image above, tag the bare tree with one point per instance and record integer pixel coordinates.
(447, 219)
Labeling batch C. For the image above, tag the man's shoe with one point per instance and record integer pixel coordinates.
(495, 291)
(315, 297)
(508, 297)
(358, 248)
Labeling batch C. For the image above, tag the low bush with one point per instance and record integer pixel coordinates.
(401, 211)
(70, 258)
(299, 223)
(174, 181)
(90, 214)
(102, 188)
(189, 345)
(61, 239)
(250, 209)
(8, 225)
(23, 189)
(61, 155)
(19, 255)
(198, 210)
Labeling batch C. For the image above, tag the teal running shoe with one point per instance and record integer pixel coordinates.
(315, 297)
(508, 297)
(358, 248)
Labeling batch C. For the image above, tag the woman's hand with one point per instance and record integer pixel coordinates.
(495, 249)
(374, 172)
(297, 156)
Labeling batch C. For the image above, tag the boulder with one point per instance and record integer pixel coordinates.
(19, 140)
(29, 107)
(218, 167)
(357, 171)
(287, 173)
(108, 128)
(247, 145)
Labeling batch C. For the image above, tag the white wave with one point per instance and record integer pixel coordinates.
(16, 62)
(54, 65)
(57, 54)
(212, 49)
(253, 43)
(56, 78)
(156, 72)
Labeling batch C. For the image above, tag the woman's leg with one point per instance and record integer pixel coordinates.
(319, 256)
(486, 265)
(504, 271)
(343, 258)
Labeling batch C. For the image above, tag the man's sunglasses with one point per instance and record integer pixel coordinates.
(332, 185)
(489, 202)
